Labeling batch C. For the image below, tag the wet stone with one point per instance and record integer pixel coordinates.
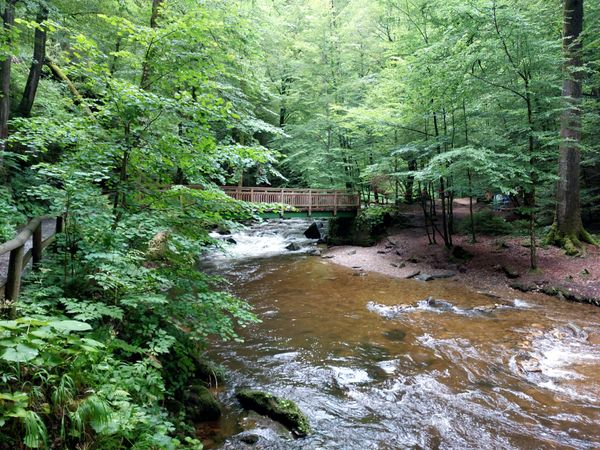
(313, 231)
(293, 246)
(395, 335)
(424, 277)
(282, 410)
(444, 274)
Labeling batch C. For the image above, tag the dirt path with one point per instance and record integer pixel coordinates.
(497, 263)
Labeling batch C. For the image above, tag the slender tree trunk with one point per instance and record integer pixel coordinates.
(145, 80)
(410, 181)
(530, 200)
(469, 177)
(8, 18)
(442, 190)
(568, 230)
(37, 63)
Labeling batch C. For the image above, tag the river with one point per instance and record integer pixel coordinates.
(378, 362)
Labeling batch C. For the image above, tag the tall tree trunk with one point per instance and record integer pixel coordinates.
(469, 177)
(145, 80)
(35, 72)
(567, 230)
(8, 18)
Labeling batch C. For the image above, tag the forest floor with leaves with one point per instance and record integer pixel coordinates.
(498, 265)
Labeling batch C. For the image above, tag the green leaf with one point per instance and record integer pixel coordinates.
(70, 325)
(21, 353)
(10, 324)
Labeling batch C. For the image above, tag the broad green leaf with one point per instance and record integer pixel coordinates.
(70, 325)
(20, 353)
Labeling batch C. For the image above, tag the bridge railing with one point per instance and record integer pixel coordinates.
(303, 199)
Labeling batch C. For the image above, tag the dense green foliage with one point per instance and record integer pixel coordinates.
(112, 327)
(397, 99)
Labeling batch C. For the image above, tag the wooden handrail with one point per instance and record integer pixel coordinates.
(19, 258)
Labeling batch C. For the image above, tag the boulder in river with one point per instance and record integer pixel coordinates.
(200, 404)
(395, 335)
(313, 231)
(293, 246)
(282, 410)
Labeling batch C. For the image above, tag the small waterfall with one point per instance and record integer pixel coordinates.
(268, 238)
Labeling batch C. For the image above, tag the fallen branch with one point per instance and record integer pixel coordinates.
(61, 76)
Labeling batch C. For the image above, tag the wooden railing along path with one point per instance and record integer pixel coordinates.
(21, 251)
(306, 200)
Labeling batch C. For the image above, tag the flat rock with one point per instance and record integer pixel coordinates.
(410, 273)
(423, 277)
(444, 274)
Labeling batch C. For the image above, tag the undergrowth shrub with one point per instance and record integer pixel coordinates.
(107, 334)
(488, 223)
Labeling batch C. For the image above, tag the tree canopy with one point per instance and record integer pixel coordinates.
(112, 109)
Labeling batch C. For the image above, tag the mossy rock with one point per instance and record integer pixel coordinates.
(200, 404)
(283, 411)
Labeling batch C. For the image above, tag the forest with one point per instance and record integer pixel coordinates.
(125, 117)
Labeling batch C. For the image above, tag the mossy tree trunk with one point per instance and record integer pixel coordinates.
(568, 230)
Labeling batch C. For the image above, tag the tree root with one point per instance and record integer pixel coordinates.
(572, 243)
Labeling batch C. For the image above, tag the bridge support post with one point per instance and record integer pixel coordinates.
(335, 203)
(309, 202)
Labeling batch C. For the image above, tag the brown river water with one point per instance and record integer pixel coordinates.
(373, 364)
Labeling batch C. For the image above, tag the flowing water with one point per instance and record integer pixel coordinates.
(377, 362)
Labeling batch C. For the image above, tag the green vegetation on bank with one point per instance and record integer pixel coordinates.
(110, 108)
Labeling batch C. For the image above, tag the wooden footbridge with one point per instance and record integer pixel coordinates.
(307, 201)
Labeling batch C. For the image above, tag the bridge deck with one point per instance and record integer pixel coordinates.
(306, 200)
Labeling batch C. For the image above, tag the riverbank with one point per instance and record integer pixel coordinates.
(498, 264)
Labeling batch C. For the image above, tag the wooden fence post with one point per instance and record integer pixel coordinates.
(335, 203)
(13, 281)
(36, 252)
(309, 202)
